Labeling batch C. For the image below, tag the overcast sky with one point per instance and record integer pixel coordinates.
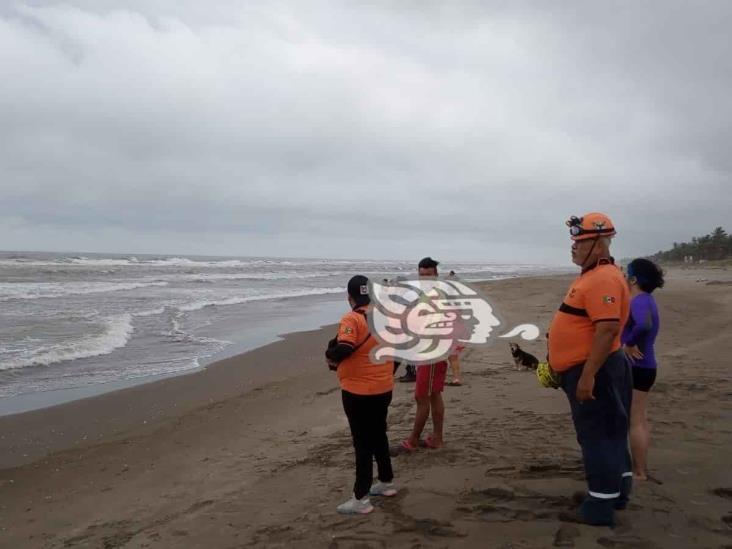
(340, 129)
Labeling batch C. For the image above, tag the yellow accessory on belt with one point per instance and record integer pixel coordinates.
(547, 377)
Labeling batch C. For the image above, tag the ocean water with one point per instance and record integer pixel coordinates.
(70, 321)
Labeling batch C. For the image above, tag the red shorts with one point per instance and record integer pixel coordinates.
(430, 379)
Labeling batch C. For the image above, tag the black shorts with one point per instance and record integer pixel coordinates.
(643, 378)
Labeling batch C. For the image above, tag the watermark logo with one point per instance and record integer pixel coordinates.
(425, 320)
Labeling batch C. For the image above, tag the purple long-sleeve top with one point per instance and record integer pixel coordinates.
(642, 328)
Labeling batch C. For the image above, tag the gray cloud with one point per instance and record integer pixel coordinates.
(339, 129)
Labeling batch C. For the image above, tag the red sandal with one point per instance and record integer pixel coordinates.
(430, 444)
(407, 446)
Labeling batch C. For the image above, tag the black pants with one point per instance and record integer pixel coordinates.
(367, 419)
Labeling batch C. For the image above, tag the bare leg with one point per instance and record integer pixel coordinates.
(438, 418)
(639, 434)
(420, 420)
(455, 365)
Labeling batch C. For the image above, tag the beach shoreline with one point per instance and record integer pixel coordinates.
(73, 327)
(312, 312)
(65, 424)
(254, 450)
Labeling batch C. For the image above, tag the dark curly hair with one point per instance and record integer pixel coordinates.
(648, 275)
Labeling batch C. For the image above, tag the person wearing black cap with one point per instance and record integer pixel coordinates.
(366, 390)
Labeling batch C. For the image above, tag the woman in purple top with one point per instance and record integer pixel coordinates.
(639, 335)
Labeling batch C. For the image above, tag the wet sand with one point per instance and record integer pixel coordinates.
(255, 450)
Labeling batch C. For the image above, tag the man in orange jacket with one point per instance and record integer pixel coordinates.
(584, 346)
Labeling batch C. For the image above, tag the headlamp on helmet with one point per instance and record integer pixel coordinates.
(575, 225)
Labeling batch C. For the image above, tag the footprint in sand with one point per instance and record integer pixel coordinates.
(431, 528)
(565, 536)
(565, 470)
(327, 392)
(502, 504)
(723, 492)
(626, 541)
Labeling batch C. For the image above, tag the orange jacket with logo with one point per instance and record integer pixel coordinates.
(597, 295)
(356, 373)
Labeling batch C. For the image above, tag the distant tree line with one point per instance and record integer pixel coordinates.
(716, 245)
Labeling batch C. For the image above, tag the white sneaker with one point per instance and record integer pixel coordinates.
(356, 506)
(383, 489)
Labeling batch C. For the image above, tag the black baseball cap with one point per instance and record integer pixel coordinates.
(358, 289)
(428, 263)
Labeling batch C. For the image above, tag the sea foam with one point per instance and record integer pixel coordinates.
(117, 332)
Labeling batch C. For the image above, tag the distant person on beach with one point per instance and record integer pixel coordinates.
(454, 358)
(397, 363)
(584, 347)
(410, 373)
(638, 339)
(366, 391)
(430, 381)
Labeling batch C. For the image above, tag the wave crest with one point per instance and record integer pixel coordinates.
(116, 334)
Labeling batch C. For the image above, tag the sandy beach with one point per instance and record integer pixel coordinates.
(254, 451)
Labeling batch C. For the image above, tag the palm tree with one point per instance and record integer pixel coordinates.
(719, 239)
(716, 245)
